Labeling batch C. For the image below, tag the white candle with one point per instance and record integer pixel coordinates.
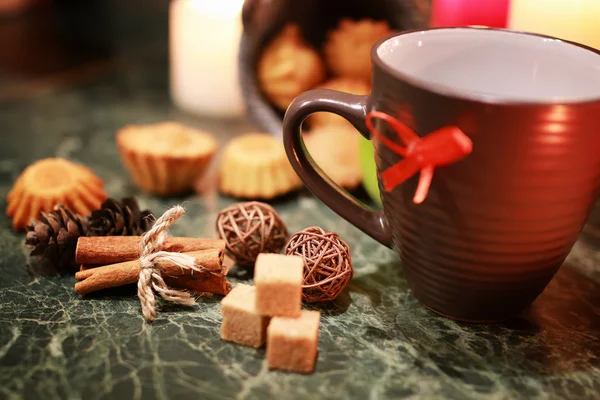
(204, 43)
(575, 20)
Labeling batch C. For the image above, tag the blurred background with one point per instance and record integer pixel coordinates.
(56, 42)
(46, 44)
(197, 60)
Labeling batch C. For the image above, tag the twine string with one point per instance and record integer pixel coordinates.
(151, 254)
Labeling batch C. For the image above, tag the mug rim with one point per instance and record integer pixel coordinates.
(465, 95)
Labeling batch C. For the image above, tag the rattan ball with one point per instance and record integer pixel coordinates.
(251, 228)
(327, 263)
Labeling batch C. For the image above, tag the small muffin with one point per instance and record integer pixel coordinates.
(254, 166)
(49, 182)
(348, 47)
(342, 84)
(336, 150)
(289, 66)
(166, 158)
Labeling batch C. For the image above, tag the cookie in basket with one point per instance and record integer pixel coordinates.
(289, 66)
(254, 166)
(49, 182)
(348, 47)
(336, 151)
(165, 158)
(342, 84)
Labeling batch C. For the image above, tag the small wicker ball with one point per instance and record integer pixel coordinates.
(251, 228)
(327, 263)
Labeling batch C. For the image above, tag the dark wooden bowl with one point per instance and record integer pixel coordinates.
(264, 18)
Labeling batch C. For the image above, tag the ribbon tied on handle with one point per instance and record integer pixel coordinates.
(444, 146)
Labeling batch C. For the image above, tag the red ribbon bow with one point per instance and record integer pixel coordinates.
(441, 147)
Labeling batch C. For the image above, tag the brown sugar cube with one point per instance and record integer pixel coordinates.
(278, 280)
(292, 342)
(242, 324)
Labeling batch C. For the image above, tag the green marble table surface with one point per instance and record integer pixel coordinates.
(376, 341)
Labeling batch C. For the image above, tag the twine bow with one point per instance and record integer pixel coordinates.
(150, 275)
(441, 147)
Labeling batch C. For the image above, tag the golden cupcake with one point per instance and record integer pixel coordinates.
(342, 84)
(289, 66)
(166, 158)
(49, 182)
(254, 166)
(336, 150)
(348, 47)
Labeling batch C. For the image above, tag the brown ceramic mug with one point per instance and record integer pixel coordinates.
(497, 221)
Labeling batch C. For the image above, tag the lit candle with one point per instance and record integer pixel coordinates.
(204, 42)
(575, 20)
(491, 13)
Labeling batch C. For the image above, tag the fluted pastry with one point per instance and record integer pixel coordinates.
(254, 166)
(49, 182)
(166, 158)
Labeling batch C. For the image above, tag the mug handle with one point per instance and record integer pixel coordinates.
(354, 109)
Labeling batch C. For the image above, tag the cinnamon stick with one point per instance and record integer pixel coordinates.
(94, 279)
(200, 283)
(103, 250)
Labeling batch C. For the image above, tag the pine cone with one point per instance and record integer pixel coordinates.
(54, 237)
(122, 218)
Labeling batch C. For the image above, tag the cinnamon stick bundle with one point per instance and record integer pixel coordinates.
(212, 280)
(103, 250)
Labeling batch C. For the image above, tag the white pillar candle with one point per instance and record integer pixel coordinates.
(575, 20)
(204, 40)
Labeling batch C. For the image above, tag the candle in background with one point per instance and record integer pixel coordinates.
(204, 38)
(491, 13)
(575, 20)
